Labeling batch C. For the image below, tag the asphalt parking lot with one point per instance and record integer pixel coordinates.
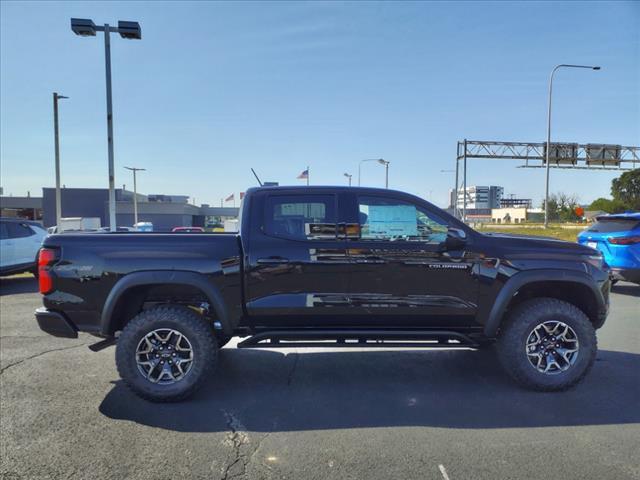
(312, 414)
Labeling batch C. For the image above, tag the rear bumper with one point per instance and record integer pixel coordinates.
(626, 274)
(55, 323)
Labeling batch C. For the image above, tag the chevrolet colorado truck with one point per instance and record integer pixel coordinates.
(319, 267)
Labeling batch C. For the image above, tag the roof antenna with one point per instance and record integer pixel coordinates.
(256, 175)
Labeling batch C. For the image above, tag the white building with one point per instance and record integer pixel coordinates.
(478, 197)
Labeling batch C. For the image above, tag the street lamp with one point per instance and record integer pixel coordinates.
(129, 30)
(381, 161)
(57, 97)
(135, 192)
(349, 177)
(546, 191)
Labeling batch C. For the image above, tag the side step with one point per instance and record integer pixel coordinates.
(358, 339)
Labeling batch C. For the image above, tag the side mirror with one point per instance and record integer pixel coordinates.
(456, 239)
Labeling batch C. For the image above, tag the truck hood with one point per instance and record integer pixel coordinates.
(522, 243)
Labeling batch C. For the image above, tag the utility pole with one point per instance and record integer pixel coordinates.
(56, 97)
(135, 192)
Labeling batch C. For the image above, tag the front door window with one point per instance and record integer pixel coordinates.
(388, 219)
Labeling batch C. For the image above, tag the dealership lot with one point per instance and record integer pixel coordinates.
(310, 414)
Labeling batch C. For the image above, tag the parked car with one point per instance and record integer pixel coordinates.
(118, 229)
(143, 227)
(187, 230)
(326, 266)
(617, 237)
(20, 241)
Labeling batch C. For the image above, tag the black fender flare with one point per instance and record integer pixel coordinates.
(521, 279)
(159, 277)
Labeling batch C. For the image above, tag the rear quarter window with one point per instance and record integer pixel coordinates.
(19, 230)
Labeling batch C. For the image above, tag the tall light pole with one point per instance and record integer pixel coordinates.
(381, 161)
(57, 97)
(546, 190)
(135, 192)
(130, 30)
(349, 177)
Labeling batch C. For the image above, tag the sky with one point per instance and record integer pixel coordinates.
(216, 88)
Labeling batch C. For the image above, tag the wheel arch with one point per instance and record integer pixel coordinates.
(573, 287)
(128, 288)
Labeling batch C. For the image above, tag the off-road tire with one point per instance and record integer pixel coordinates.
(193, 326)
(512, 341)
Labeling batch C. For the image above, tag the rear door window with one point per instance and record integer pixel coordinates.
(301, 217)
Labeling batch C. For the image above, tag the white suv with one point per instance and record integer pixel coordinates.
(19, 244)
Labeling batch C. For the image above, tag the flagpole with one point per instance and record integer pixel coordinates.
(308, 175)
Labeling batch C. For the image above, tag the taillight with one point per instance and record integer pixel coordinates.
(624, 240)
(46, 257)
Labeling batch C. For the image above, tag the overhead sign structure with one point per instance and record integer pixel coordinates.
(590, 156)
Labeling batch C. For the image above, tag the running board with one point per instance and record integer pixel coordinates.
(358, 339)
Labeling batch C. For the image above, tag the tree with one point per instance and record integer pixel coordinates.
(562, 207)
(607, 205)
(626, 189)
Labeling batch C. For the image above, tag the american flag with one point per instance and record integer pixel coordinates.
(304, 174)
(229, 198)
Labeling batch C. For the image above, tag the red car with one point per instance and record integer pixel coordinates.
(188, 230)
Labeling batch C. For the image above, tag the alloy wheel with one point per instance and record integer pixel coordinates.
(164, 356)
(552, 347)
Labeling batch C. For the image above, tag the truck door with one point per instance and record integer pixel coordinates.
(296, 266)
(401, 273)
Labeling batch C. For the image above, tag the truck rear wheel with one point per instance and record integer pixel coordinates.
(165, 354)
(547, 344)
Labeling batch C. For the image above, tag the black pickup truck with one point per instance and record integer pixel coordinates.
(326, 266)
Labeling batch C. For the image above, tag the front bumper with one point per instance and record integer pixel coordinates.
(626, 274)
(55, 323)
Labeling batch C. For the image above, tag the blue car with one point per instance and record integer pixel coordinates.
(617, 236)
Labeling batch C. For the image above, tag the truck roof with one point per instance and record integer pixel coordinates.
(332, 188)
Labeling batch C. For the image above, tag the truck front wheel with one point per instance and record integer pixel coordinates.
(165, 354)
(547, 344)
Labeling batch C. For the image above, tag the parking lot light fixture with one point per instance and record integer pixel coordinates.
(381, 161)
(386, 171)
(546, 191)
(56, 97)
(349, 177)
(130, 30)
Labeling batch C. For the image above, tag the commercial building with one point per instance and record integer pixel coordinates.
(164, 211)
(512, 202)
(478, 197)
(21, 207)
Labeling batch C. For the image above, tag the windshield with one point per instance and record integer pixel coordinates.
(606, 225)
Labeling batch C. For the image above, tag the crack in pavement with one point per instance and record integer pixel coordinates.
(39, 355)
(293, 368)
(242, 454)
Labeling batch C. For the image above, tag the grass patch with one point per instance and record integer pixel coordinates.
(568, 234)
